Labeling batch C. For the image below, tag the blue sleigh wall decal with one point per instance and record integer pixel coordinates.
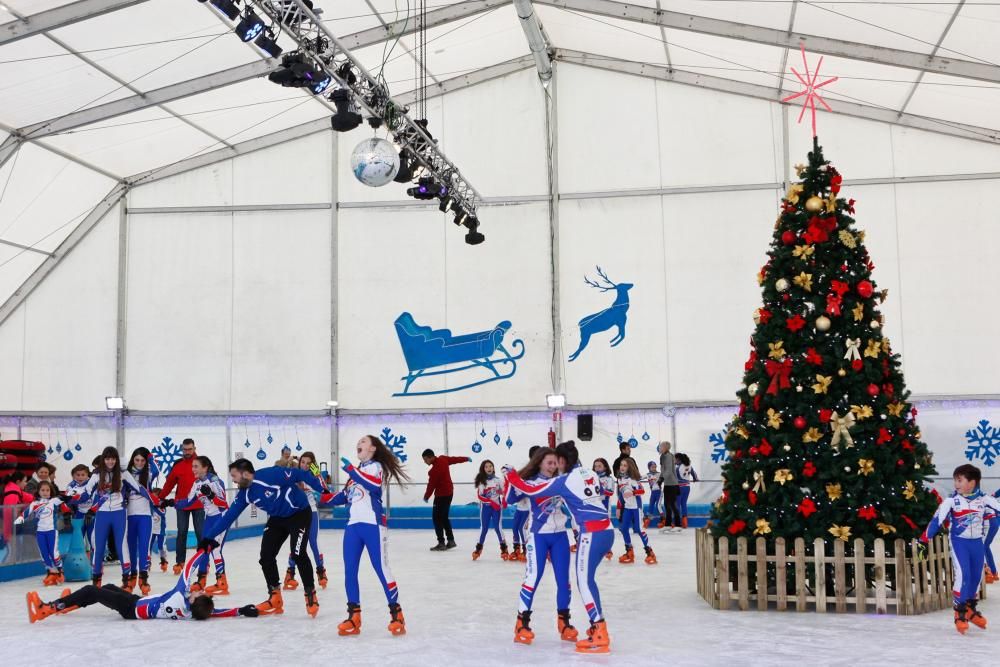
(613, 316)
(425, 349)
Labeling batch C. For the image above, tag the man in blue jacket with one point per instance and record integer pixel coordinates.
(275, 491)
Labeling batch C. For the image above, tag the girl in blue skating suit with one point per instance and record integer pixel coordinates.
(652, 476)
(580, 490)
(489, 492)
(139, 519)
(107, 489)
(967, 509)
(44, 508)
(630, 492)
(548, 539)
(307, 462)
(366, 529)
(209, 493)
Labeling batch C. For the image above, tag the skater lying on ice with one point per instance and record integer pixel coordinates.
(178, 604)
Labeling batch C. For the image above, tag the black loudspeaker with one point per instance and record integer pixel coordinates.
(585, 427)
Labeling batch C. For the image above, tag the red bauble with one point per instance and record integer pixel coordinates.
(873, 390)
(752, 497)
(825, 414)
(785, 297)
(800, 422)
(865, 289)
(788, 237)
(754, 451)
(900, 463)
(857, 364)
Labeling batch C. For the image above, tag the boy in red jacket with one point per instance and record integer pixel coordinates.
(439, 484)
(182, 477)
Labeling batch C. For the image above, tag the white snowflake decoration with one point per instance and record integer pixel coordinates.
(984, 443)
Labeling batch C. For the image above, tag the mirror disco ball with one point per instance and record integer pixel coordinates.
(375, 162)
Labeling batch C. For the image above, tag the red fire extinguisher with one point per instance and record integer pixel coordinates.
(552, 438)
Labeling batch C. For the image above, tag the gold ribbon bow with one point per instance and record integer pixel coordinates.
(763, 527)
(759, 485)
(783, 475)
(853, 349)
(841, 426)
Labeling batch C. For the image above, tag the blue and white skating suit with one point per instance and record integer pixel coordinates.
(366, 529)
(654, 496)
(609, 487)
(159, 532)
(213, 506)
(991, 533)
(630, 492)
(82, 509)
(522, 509)
(581, 492)
(139, 520)
(174, 604)
(313, 499)
(548, 538)
(968, 516)
(110, 518)
(44, 509)
(273, 490)
(490, 495)
(685, 475)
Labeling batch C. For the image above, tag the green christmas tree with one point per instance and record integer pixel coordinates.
(825, 443)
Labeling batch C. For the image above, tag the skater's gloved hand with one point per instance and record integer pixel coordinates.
(167, 502)
(921, 551)
(346, 462)
(505, 468)
(249, 611)
(65, 497)
(314, 469)
(207, 545)
(18, 521)
(206, 491)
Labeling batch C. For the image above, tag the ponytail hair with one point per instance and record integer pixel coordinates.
(385, 458)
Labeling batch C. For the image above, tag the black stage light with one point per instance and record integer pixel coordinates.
(474, 237)
(460, 215)
(250, 26)
(226, 7)
(268, 44)
(344, 120)
(426, 189)
(406, 167)
(445, 202)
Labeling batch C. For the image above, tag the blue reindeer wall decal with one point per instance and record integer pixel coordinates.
(613, 316)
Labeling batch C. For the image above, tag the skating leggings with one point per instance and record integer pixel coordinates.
(105, 524)
(217, 557)
(967, 556)
(682, 500)
(990, 535)
(48, 547)
(654, 505)
(159, 541)
(361, 536)
(88, 531)
(313, 544)
(490, 518)
(520, 518)
(140, 536)
(589, 554)
(632, 521)
(537, 549)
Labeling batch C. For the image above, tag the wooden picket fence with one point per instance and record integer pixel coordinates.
(829, 575)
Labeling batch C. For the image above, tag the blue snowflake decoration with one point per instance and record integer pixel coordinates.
(719, 452)
(166, 454)
(632, 442)
(984, 443)
(396, 443)
(476, 447)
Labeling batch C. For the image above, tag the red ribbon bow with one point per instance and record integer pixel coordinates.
(779, 372)
(833, 303)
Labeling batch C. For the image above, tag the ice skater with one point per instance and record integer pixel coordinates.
(81, 504)
(307, 462)
(209, 493)
(44, 509)
(579, 488)
(367, 530)
(522, 509)
(489, 491)
(992, 576)
(159, 532)
(967, 509)
(685, 476)
(609, 487)
(275, 491)
(651, 480)
(548, 539)
(139, 520)
(178, 604)
(630, 494)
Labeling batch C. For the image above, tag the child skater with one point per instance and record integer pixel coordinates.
(209, 493)
(489, 490)
(366, 529)
(178, 604)
(654, 495)
(522, 508)
(579, 489)
(44, 509)
(630, 494)
(82, 504)
(548, 540)
(139, 519)
(307, 462)
(966, 509)
(608, 486)
(159, 531)
(107, 486)
(685, 475)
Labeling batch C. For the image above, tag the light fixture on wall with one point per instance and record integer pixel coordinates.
(114, 402)
(555, 400)
(332, 404)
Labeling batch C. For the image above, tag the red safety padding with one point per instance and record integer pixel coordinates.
(21, 447)
(24, 459)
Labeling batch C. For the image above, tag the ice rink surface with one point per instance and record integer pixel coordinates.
(461, 612)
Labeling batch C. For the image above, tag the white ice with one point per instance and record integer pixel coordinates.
(461, 612)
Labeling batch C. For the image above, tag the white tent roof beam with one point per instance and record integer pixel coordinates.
(913, 60)
(59, 17)
(538, 43)
(884, 115)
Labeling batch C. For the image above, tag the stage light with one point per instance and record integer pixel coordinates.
(225, 7)
(445, 202)
(555, 400)
(460, 216)
(115, 402)
(406, 167)
(322, 82)
(426, 189)
(250, 26)
(268, 44)
(344, 120)
(473, 237)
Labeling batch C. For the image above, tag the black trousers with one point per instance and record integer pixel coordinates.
(442, 524)
(671, 513)
(278, 529)
(183, 518)
(108, 595)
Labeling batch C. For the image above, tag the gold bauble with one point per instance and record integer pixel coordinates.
(756, 316)
(746, 485)
(874, 324)
(814, 204)
(822, 323)
(752, 389)
(781, 284)
(841, 372)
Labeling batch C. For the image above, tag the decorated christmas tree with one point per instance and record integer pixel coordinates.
(825, 443)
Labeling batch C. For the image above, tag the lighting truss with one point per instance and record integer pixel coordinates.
(298, 20)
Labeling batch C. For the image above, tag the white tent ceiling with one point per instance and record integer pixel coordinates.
(98, 91)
